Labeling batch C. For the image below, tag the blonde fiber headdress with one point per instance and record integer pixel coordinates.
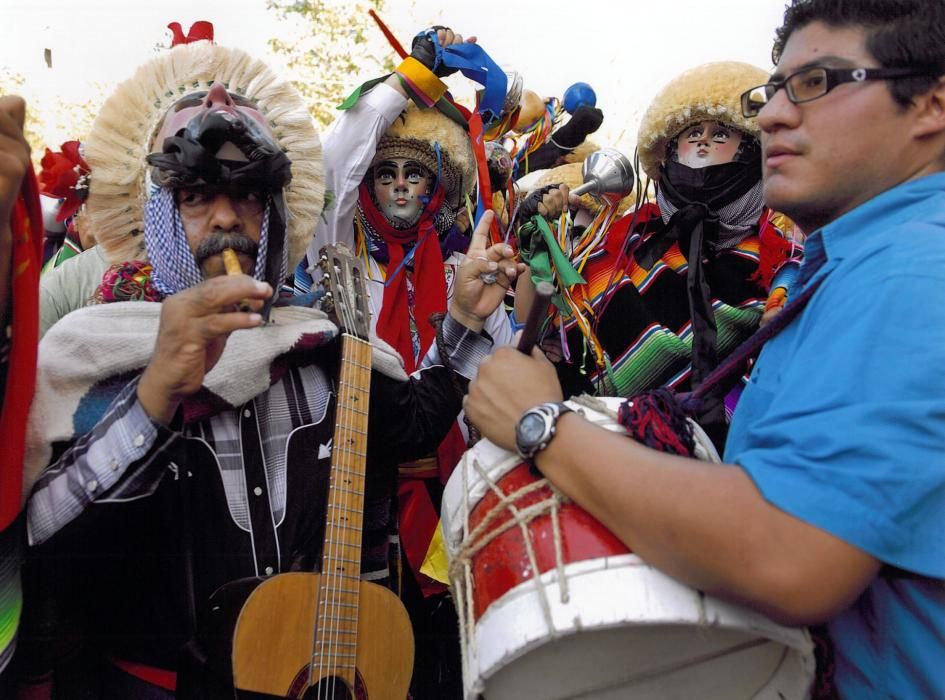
(128, 121)
(414, 135)
(711, 91)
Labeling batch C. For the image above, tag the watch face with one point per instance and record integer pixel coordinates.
(531, 429)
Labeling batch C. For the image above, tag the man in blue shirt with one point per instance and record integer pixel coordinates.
(831, 503)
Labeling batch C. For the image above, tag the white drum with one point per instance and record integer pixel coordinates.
(553, 606)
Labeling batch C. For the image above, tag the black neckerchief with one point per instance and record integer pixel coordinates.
(699, 194)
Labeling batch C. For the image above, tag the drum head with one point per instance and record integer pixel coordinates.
(626, 630)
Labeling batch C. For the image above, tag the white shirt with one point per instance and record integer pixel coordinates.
(348, 150)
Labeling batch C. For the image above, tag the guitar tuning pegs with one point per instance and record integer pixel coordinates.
(323, 262)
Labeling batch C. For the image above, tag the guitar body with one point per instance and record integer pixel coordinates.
(272, 654)
(309, 635)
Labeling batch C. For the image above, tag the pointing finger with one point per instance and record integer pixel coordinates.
(480, 237)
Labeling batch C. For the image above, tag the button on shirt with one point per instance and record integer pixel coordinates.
(843, 426)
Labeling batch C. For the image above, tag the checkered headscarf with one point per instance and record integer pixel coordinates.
(175, 268)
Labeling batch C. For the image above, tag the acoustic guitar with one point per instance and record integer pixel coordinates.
(330, 634)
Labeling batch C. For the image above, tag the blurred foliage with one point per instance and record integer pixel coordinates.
(330, 47)
(51, 120)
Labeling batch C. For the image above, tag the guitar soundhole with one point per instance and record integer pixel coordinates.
(333, 688)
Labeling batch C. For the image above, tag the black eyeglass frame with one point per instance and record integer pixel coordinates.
(834, 77)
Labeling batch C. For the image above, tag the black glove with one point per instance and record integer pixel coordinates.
(424, 50)
(585, 120)
(529, 206)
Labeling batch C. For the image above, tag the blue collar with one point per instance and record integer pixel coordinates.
(876, 216)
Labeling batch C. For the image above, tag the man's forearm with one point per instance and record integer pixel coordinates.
(705, 524)
(116, 460)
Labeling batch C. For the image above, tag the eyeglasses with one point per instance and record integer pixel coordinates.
(809, 84)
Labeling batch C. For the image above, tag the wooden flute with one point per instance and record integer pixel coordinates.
(233, 267)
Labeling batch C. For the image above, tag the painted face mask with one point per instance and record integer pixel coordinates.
(399, 184)
(707, 143)
(218, 139)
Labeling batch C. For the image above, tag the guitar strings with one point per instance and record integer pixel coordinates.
(345, 479)
(324, 630)
(333, 610)
(330, 557)
(353, 489)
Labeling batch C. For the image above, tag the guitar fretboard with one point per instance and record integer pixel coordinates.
(337, 616)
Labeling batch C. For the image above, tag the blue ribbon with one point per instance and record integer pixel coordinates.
(473, 62)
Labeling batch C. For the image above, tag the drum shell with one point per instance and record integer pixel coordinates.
(505, 562)
(599, 623)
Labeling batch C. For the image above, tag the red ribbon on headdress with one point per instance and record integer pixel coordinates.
(482, 167)
(199, 31)
(26, 223)
(393, 323)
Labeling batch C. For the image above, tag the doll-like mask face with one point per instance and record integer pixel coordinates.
(197, 106)
(398, 185)
(707, 143)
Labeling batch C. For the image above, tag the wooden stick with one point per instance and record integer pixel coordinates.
(233, 267)
(231, 262)
(536, 314)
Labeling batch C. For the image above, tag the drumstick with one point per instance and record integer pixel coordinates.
(233, 267)
(536, 314)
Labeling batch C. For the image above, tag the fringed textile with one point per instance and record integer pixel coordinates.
(656, 420)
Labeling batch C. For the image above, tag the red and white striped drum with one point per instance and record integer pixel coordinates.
(552, 605)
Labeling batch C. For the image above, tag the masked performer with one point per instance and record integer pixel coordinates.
(677, 284)
(400, 166)
(399, 176)
(188, 440)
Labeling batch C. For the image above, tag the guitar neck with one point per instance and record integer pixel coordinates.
(341, 557)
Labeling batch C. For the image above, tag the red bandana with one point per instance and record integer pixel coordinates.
(393, 324)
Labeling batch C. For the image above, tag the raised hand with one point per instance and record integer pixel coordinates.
(193, 330)
(424, 50)
(484, 277)
(14, 153)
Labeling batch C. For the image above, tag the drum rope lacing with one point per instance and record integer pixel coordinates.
(460, 569)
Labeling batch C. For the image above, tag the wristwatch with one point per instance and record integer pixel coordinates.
(536, 427)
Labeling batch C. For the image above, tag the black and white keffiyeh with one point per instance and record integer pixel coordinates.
(169, 253)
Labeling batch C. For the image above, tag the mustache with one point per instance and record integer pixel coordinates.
(217, 243)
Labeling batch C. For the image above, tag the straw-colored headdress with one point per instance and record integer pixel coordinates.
(414, 135)
(711, 91)
(122, 133)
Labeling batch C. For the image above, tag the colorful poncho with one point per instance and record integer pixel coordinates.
(642, 318)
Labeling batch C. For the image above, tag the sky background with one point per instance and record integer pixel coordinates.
(626, 50)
